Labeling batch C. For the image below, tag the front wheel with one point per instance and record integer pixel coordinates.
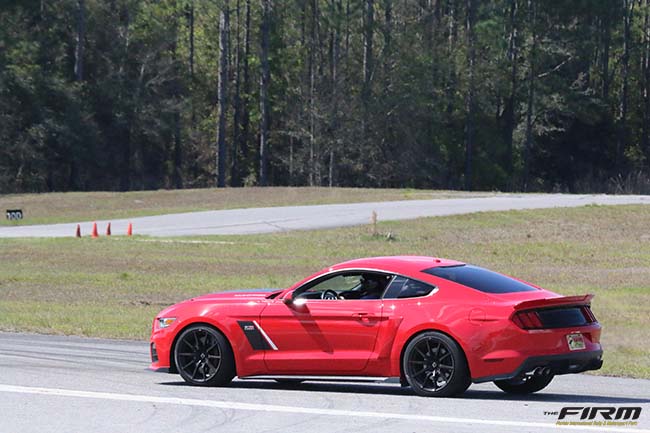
(435, 366)
(524, 385)
(203, 357)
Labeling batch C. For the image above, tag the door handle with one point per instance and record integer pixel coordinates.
(362, 315)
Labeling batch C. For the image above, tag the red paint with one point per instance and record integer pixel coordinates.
(366, 337)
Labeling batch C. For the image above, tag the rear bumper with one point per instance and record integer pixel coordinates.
(566, 363)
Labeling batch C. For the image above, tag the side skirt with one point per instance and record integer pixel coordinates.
(325, 378)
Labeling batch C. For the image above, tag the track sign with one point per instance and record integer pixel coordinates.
(14, 214)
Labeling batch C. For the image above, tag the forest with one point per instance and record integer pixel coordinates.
(509, 95)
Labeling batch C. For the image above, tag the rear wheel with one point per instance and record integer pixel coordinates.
(435, 366)
(524, 385)
(203, 357)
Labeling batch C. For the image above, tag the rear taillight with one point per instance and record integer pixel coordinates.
(527, 320)
(548, 318)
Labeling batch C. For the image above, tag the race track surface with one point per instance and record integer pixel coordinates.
(72, 384)
(279, 219)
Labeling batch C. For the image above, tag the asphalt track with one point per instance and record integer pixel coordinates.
(72, 384)
(279, 219)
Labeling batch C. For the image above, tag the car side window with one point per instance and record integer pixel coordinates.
(402, 287)
(349, 285)
(337, 283)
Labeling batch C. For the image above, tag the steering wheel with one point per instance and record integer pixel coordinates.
(329, 295)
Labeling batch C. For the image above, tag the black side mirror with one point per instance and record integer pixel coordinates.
(295, 303)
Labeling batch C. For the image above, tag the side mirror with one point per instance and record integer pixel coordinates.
(295, 303)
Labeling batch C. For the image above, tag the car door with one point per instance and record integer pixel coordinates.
(312, 335)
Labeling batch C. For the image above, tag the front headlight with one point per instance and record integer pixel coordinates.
(164, 322)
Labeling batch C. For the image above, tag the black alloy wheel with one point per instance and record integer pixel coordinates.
(203, 357)
(435, 366)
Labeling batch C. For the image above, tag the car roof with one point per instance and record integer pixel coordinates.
(396, 264)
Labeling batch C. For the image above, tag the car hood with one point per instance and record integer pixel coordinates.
(237, 294)
(228, 297)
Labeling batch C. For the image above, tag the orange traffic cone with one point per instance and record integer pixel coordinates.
(94, 233)
(129, 230)
(78, 234)
(108, 229)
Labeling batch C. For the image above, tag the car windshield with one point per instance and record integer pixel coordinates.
(479, 279)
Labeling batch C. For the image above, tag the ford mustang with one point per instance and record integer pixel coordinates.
(436, 324)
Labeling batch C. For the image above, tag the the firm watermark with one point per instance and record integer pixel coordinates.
(599, 416)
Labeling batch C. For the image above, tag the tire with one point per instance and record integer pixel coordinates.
(434, 365)
(526, 385)
(203, 356)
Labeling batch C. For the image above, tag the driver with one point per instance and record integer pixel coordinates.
(370, 288)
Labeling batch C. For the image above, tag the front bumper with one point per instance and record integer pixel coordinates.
(566, 363)
(159, 349)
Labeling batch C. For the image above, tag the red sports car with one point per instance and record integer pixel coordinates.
(436, 324)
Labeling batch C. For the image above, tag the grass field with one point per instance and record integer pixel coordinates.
(88, 206)
(114, 287)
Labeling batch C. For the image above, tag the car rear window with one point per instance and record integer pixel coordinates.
(479, 279)
(402, 287)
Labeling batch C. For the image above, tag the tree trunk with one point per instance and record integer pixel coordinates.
(433, 32)
(190, 25)
(368, 60)
(532, 16)
(291, 169)
(388, 35)
(79, 76)
(469, 99)
(606, 37)
(124, 134)
(509, 110)
(337, 11)
(191, 85)
(245, 114)
(625, 72)
(451, 49)
(177, 159)
(347, 28)
(224, 32)
(178, 151)
(331, 169)
(79, 48)
(235, 177)
(312, 96)
(645, 140)
(265, 76)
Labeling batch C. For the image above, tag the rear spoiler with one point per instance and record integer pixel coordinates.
(562, 301)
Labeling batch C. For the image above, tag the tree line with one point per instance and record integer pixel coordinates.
(514, 95)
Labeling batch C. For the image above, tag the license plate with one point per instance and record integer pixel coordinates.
(575, 341)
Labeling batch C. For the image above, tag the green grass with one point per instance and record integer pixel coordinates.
(113, 287)
(87, 206)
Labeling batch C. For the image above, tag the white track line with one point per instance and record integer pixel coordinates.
(234, 405)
